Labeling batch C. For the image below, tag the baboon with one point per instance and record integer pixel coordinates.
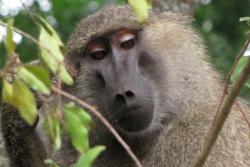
(154, 83)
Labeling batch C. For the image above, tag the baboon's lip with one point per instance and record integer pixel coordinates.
(134, 119)
(130, 112)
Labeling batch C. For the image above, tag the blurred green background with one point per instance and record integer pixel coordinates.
(217, 21)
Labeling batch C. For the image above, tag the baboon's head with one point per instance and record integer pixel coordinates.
(138, 76)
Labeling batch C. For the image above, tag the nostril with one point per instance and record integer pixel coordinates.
(129, 94)
(119, 97)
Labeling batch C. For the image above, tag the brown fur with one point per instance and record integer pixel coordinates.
(191, 90)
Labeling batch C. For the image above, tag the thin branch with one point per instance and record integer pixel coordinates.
(22, 33)
(29, 12)
(223, 114)
(82, 103)
(28, 36)
(243, 113)
(236, 61)
(104, 121)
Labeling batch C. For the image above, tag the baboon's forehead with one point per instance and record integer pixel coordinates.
(106, 20)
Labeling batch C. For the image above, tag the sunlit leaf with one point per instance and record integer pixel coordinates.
(53, 129)
(31, 79)
(9, 43)
(7, 92)
(44, 24)
(84, 117)
(64, 75)
(77, 133)
(245, 19)
(141, 9)
(51, 163)
(24, 100)
(19, 95)
(58, 141)
(41, 73)
(51, 52)
(86, 160)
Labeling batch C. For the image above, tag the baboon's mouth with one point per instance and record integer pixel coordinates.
(134, 119)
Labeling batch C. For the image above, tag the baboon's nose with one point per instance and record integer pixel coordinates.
(124, 96)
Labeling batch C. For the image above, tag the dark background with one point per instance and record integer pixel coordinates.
(217, 21)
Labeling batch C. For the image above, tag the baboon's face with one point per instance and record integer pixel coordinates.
(120, 77)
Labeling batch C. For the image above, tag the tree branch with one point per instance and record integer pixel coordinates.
(22, 33)
(104, 121)
(223, 113)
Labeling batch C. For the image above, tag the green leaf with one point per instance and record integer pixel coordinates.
(53, 129)
(9, 43)
(247, 84)
(44, 24)
(51, 163)
(58, 141)
(150, 3)
(245, 19)
(7, 92)
(24, 100)
(84, 117)
(141, 9)
(64, 75)
(41, 73)
(86, 160)
(239, 68)
(77, 133)
(31, 79)
(19, 95)
(51, 52)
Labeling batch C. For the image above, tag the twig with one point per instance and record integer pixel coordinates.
(22, 33)
(104, 121)
(58, 85)
(237, 59)
(82, 103)
(223, 114)
(32, 39)
(243, 113)
(29, 12)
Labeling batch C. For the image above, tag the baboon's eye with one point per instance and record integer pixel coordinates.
(97, 51)
(127, 40)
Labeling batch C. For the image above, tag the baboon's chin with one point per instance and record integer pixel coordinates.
(134, 120)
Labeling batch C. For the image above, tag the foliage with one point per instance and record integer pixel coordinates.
(141, 8)
(19, 79)
(218, 22)
(224, 34)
